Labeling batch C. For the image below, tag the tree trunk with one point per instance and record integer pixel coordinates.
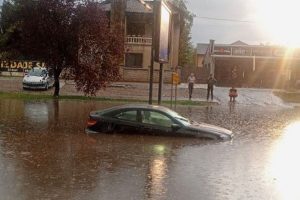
(56, 83)
(56, 86)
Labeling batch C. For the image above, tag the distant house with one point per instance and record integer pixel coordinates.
(239, 43)
(137, 20)
(246, 65)
(201, 52)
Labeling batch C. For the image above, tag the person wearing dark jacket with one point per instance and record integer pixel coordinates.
(211, 81)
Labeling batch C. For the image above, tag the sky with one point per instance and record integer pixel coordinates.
(274, 22)
(253, 21)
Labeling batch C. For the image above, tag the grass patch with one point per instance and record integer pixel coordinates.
(28, 96)
(19, 95)
(288, 96)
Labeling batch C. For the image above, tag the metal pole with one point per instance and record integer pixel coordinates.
(254, 66)
(175, 96)
(152, 54)
(172, 91)
(151, 80)
(160, 82)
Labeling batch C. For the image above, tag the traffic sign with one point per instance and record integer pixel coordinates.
(175, 78)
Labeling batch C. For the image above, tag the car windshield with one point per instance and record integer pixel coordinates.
(37, 72)
(183, 120)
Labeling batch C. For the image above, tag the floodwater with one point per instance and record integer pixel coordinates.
(45, 154)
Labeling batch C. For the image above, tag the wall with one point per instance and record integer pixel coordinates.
(268, 73)
(201, 73)
(142, 75)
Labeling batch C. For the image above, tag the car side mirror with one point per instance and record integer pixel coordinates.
(175, 127)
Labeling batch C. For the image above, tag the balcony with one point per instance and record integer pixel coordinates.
(138, 40)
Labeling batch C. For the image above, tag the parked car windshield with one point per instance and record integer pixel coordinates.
(37, 72)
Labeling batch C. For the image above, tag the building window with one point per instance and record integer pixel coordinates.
(136, 29)
(134, 60)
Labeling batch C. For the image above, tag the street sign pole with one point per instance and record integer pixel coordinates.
(175, 81)
(160, 82)
(151, 78)
(162, 34)
(172, 91)
(175, 96)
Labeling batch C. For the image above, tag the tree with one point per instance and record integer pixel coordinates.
(64, 34)
(101, 50)
(186, 50)
(9, 31)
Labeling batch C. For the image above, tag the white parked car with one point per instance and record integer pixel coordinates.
(38, 78)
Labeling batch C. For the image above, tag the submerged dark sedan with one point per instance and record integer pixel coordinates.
(150, 119)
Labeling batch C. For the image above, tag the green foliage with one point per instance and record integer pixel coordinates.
(9, 24)
(100, 51)
(186, 49)
(55, 32)
(32, 96)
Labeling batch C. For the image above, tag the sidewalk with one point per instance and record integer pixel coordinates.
(119, 90)
(246, 96)
(140, 91)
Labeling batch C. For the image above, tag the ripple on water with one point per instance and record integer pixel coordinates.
(50, 156)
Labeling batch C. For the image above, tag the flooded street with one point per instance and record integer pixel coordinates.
(45, 154)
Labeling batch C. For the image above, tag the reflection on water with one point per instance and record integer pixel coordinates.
(37, 111)
(156, 188)
(45, 154)
(231, 107)
(285, 163)
(158, 170)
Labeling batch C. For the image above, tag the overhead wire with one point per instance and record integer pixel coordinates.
(224, 19)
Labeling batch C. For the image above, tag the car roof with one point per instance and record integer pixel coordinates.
(144, 106)
(139, 106)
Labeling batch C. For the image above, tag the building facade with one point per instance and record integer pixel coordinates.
(138, 24)
(137, 20)
(242, 65)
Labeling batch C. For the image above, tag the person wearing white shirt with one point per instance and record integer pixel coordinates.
(191, 81)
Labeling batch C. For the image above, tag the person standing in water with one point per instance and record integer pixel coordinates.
(191, 81)
(211, 81)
